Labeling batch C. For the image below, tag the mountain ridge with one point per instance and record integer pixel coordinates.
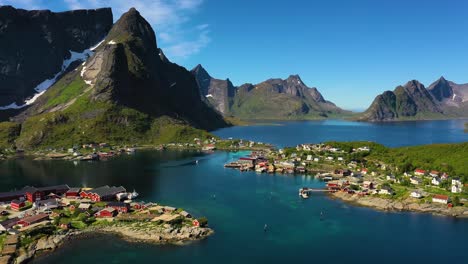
(294, 99)
(413, 101)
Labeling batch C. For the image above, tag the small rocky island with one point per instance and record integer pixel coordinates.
(38, 220)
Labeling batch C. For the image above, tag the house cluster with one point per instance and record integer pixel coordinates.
(328, 148)
(88, 152)
(34, 205)
(31, 207)
(362, 188)
(436, 178)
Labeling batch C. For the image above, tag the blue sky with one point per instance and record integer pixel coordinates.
(350, 50)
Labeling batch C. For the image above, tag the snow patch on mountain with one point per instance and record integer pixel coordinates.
(43, 86)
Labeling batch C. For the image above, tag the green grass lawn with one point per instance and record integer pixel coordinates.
(2, 240)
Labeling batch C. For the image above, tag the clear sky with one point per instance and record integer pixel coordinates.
(350, 50)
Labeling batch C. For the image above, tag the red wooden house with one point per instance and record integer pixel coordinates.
(73, 193)
(119, 206)
(106, 213)
(34, 194)
(17, 205)
(103, 193)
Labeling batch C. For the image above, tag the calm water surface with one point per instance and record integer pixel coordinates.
(245, 202)
(390, 133)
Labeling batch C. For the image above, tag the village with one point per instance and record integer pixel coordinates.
(348, 172)
(36, 219)
(105, 151)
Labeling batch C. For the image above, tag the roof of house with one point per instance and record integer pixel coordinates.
(35, 218)
(9, 222)
(420, 170)
(50, 201)
(108, 191)
(117, 204)
(16, 202)
(84, 206)
(441, 197)
(74, 189)
(12, 194)
(32, 189)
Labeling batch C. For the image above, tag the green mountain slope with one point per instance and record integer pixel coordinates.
(127, 92)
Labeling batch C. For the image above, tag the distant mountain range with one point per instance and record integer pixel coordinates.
(271, 99)
(126, 91)
(412, 101)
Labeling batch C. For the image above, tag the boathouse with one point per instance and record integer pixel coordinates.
(103, 193)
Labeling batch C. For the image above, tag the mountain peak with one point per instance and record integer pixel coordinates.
(132, 25)
(201, 72)
(295, 79)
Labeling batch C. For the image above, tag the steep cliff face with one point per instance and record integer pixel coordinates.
(34, 45)
(219, 93)
(271, 99)
(127, 91)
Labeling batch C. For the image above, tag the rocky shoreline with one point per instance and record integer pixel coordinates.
(405, 205)
(157, 235)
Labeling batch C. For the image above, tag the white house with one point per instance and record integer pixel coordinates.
(456, 189)
(443, 199)
(415, 181)
(363, 149)
(386, 190)
(391, 178)
(309, 157)
(316, 159)
(329, 158)
(436, 181)
(456, 181)
(434, 173)
(416, 194)
(340, 158)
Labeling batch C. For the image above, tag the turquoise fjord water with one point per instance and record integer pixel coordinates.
(245, 202)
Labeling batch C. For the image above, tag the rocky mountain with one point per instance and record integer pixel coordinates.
(219, 93)
(127, 91)
(442, 99)
(36, 46)
(271, 99)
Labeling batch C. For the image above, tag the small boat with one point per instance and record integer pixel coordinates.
(133, 195)
(305, 195)
(121, 196)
